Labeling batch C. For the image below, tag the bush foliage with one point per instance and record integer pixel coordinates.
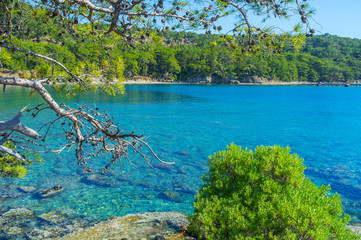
(12, 167)
(265, 195)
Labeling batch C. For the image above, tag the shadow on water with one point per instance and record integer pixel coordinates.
(20, 96)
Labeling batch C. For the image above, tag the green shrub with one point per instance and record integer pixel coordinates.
(265, 195)
(12, 167)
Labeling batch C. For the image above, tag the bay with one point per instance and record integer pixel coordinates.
(186, 124)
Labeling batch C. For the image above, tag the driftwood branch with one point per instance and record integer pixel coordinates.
(84, 128)
(15, 124)
(11, 152)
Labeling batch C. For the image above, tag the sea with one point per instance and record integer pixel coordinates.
(186, 124)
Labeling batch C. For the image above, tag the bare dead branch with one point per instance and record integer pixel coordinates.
(14, 124)
(86, 127)
(11, 152)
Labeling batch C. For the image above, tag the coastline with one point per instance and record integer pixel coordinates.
(246, 81)
(242, 81)
(270, 83)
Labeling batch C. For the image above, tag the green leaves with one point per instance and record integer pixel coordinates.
(264, 195)
(11, 167)
(179, 55)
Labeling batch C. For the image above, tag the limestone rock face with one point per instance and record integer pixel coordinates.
(157, 225)
(254, 79)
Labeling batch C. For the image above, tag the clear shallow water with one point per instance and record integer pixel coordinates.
(186, 124)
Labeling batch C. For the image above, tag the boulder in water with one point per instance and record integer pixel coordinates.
(51, 192)
(182, 153)
(170, 195)
(100, 180)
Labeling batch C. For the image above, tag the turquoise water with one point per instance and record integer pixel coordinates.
(186, 124)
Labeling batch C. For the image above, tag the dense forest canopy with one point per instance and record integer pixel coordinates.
(321, 58)
(109, 28)
(177, 55)
(183, 56)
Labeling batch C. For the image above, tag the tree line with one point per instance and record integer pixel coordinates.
(178, 56)
(325, 58)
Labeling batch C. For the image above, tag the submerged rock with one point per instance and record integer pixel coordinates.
(51, 192)
(170, 195)
(27, 189)
(157, 225)
(21, 223)
(10, 192)
(100, 180)
(168, 168)
(52, 218)
(39, 234)
(16, 223)
(183, 188)
(18, 213)
(13, 231)
(182, 153)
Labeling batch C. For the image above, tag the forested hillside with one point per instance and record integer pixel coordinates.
(180, 56)
(321, 58)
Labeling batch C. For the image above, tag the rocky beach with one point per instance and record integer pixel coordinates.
(24, 223)
(248, 80)
(67, 224)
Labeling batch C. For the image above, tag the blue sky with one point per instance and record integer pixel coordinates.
(342, 18)
(336, 17)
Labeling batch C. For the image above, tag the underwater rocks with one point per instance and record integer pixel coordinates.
(339, 177)
(15, 191)
(27, 189)
(157, 225)
(22, 223)
(51, 192)
(10, 192)
(170, 196)
(182, 153)
(15, 223)
(16, 213)
(101, 181)
(184, 188)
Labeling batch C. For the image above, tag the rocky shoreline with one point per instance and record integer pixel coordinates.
(67, 224)
(22, 223)
(245, 80)
(248, 80)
